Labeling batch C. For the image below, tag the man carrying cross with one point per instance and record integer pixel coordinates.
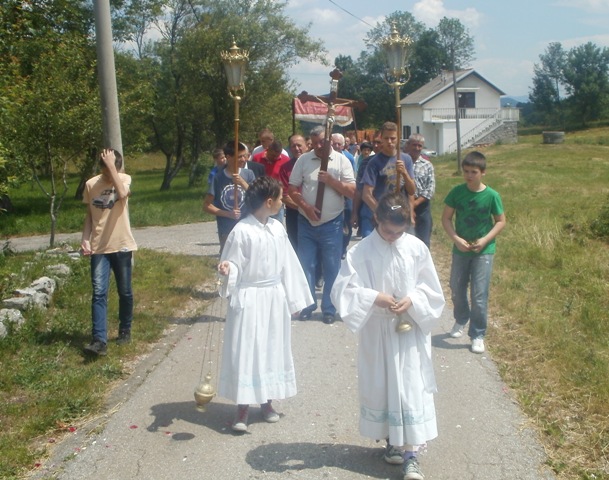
(321, 230)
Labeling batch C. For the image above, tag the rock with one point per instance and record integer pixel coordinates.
(10, 315)
(18, 303)
(60, 269)
(553, 137)
(45, 285)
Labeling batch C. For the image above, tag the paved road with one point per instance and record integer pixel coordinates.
(153, 431)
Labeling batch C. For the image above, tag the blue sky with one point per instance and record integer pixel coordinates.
(509, 35)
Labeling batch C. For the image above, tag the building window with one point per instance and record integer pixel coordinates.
(407, 131)
(467, 100)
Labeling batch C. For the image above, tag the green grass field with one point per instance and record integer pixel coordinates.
(549, 308)
(549, 321)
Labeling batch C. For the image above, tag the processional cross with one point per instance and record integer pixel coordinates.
(332, 102)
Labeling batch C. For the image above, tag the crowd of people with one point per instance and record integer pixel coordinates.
(285, 220)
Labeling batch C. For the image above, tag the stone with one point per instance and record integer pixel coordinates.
(10, 315)
(45, 285)
(18, 303)
(60, 269)
(553, 137)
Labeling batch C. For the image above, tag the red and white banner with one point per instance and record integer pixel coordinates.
(316, 112)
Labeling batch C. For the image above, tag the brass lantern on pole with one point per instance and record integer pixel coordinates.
(396, 49)
(235, 60)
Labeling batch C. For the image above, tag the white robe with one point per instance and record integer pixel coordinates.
(396, 378)
(266, 285)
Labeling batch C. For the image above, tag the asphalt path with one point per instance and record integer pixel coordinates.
(152, 430)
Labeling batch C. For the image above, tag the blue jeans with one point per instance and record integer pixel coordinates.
(366, 223)
(476, 271)
(120, 264)
(327, 239)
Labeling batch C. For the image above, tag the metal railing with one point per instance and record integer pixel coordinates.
(443, 114)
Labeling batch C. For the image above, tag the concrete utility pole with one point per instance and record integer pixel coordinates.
(107, 76)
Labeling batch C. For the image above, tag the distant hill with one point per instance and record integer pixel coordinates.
(514, 100)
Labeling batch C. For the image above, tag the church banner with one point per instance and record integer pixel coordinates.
(316, 112)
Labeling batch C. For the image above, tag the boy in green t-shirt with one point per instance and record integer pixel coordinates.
(479, 219)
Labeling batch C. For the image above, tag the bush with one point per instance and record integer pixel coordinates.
(600, 225)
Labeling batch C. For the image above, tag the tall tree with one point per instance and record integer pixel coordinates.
(587, 82)
(547, 79)
(459, 46)
(192, 111)
(50, 116)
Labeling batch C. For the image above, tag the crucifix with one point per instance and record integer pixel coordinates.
(332, 102)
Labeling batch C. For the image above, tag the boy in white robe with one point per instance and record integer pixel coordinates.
(266, 284)
(388, 275)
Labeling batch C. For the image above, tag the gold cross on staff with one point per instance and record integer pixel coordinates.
(332, 102)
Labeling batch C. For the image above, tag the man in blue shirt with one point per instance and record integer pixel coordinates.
(384, 171)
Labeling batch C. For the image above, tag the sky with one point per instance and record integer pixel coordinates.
(508, 35)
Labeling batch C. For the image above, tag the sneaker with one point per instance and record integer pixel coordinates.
(478, 345)
(457, 331)
(240, 421)
(123, 338)
(393, 455)
(411, 470)
(328, 318)
(269, 414)
(97, 347)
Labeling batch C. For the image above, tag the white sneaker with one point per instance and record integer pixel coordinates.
(478, 345)
(457, 331)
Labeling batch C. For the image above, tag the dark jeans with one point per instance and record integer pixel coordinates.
(120, 264)
(324, 240)
(291, 226)
(424, 222)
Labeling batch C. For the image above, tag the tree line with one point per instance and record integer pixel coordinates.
(570, 87)
(173, 94)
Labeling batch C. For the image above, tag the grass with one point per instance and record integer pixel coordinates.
(148, 205)
(47, 386)
(549, 326)
(549, 307)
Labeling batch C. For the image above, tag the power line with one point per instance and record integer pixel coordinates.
(349, 13)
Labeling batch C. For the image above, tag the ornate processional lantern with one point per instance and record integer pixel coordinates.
(235, 60)
(396, 49)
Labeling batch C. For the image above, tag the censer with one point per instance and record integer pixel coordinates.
(205, 391)
(403, 324)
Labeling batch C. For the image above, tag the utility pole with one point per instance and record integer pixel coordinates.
(457, 123)
(107, 76)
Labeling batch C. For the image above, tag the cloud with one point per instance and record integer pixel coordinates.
(513, 77)
(592, 6)
(431, 12)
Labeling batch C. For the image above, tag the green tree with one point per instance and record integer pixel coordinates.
(547, 79)
(586, 81)
(54, 118)
(192, 111)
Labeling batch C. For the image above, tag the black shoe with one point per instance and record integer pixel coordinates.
(97, 347)
(319, 284)
(328, 318)
(123, 338)
(305, 315)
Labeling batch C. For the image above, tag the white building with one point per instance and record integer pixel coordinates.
(430, 111)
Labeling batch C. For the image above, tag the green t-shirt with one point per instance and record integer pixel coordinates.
(474, 214)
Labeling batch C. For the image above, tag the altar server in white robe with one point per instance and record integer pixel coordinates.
(387, 276)
(265, 283)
